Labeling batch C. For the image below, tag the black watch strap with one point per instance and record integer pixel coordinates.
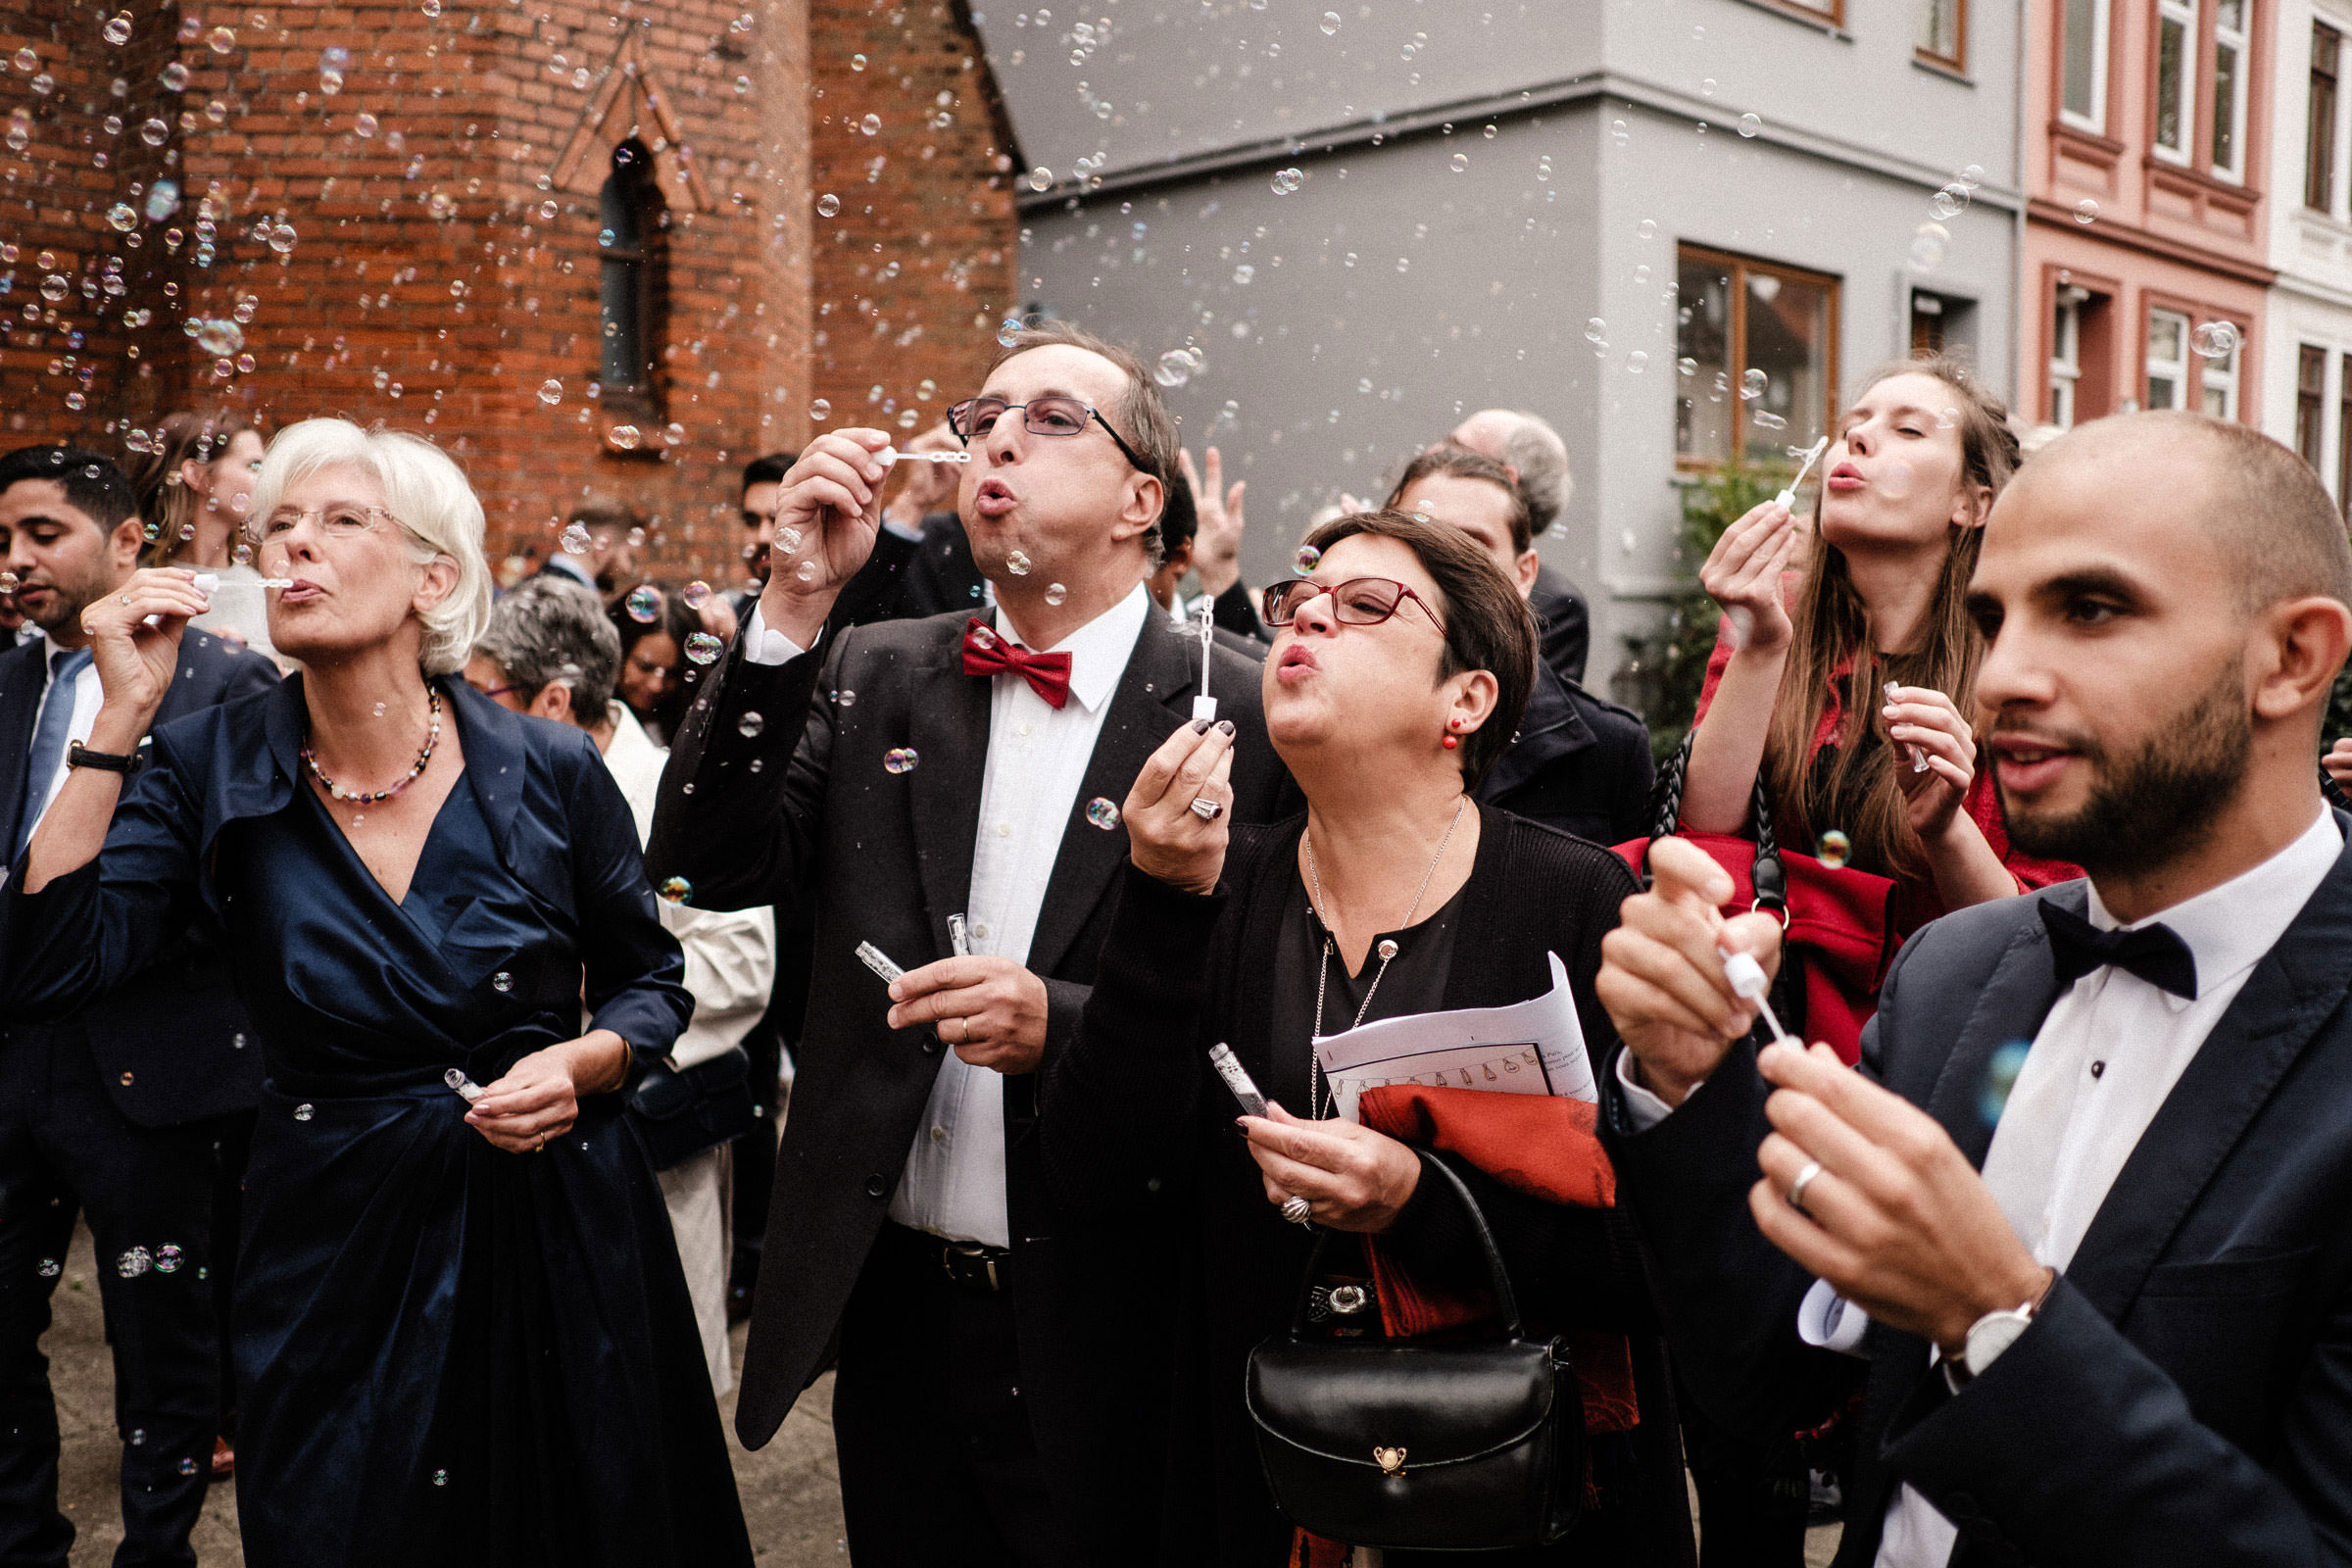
(81, 756)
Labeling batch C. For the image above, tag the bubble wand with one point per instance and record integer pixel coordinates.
(894, 454)
(1748, 984)
(1919, 757)
(1787, 497)
(1204, 707)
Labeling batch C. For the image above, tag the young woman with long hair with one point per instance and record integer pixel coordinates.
(1801, 691)
(195, 488)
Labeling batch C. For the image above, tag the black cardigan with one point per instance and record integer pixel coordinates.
(1135, 1125)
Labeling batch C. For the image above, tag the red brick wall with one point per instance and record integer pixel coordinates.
(426, 283)
(928, 193)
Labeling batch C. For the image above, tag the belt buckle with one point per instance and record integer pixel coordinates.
(969, 1263)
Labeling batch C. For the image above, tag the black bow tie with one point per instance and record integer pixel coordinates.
(2154, 953)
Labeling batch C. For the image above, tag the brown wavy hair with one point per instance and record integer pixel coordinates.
(1832, 627)
(166, 504)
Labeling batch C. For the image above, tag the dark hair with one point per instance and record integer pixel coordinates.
(1142, 417)
(1460, 463)
(165, 505)
(1178, 520)
(607, 512)
(769, 469)
(677, 623)
(1487, 625)
(93, 484)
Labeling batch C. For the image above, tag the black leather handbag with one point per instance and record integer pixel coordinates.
(678, 1114)
(1430, 1446)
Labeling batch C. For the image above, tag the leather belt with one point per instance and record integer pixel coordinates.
(974, 1266)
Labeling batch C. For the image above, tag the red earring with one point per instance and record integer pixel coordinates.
(1451, 739)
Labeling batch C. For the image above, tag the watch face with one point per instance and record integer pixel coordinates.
(1989, 1336)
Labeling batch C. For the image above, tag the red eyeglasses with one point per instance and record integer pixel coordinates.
(1358, 601)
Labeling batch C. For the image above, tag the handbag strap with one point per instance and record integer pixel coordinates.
(1496, 1272)
(1766, 872)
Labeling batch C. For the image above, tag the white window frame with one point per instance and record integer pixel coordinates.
(2066, 354)
(2096, 121)
(2239, 40)
(2174, 369)
(2220, 375)
(2183, 13)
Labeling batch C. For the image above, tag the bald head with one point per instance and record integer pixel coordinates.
(2260, 505)
(1532, 450)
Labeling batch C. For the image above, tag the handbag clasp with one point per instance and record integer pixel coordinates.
(1392, 1460)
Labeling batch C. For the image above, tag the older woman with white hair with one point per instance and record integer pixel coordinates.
(461, 1334)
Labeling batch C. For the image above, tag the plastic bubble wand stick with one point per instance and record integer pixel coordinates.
(1787, 497)
(467, 1088)
(1919, 757)
(1748, 984)
(894, 454)
(208, 581)
(1204, 707)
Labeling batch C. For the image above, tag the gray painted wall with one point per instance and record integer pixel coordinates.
(1394, 290)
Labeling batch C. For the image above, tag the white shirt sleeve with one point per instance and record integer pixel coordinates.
(765, 647)
(1642, 1107)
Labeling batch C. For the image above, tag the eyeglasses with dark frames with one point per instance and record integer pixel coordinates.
(976, 416)
(1358, 601)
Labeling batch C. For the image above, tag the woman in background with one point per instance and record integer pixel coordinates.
(652, 659)
(195, 489)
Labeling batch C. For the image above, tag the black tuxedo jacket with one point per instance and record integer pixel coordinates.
(185, 996)
(806, 811)
(2185, 1396)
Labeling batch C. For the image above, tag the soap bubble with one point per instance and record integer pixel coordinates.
(695, 594)
(551, 391)
(1636, 363)
(1950, 201)
(845, 697)
(187, 1467)
(1244, 273)
(1749, 125)
(2215, 340)
(1330, 22)
(1459, 162)
(2000, 1077)
(50, 1268)
(168, 1258)
(626, 437)
(304, 1111)
(123, 217)
(1926, 247)
(1752, 385)
(1287, 180)
(805, 571)
(1017, 564)
(702, 648)
(1041, 178)
(1175, 367)
(645, 604)
(871, 125)
(2087, 210)
(1102, 814)
(134, 1263)
(219, 337)
(1056, 593)
(750, 725)
(1596, 331)
(502, 982)
(575, 540)
(1685, 366)
(820, 409)
(1834, 848)
(155, 133)
(1008, 330)
(828, 205)
(440, 1478)
(900, 760)
(117, 31)
(1647, 228)
(675, 890)
(365, 124)
(1306, 559)
(8, 582)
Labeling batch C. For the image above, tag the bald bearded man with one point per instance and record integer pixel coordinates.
(2089, 1187)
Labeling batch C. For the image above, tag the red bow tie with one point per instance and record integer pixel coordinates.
(987, 652)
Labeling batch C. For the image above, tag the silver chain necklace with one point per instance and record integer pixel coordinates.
(1318, 1090)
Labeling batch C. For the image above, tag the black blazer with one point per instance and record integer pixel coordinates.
(2185, 1396)
(886, 858)
(185, 996)
(1578, 764)
(1133, 1120)
(1564, 626)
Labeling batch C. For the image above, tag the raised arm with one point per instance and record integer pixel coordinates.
(1743, 576)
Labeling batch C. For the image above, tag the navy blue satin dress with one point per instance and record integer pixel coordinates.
(448, 1354)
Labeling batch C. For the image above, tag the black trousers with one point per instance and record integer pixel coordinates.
(938, 1462)
(148, 1194)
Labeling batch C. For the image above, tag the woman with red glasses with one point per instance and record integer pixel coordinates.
(1400, 671)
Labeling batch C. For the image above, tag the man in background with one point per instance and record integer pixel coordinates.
(606, 533)
(1538, 459)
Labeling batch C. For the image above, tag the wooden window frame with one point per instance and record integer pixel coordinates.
(2311, 404)
(2241, 117)
(1958, 60)
(1739, 267)
(2066, 354)
(2322, 111)
(2187, 98)
(2187, 377)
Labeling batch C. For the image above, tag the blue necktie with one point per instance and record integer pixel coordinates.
(49, 739)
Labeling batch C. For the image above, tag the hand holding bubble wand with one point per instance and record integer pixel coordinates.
(1742, 619)
(1919, 757)
(1749, 983)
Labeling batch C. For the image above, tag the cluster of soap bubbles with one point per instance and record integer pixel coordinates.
(1179, 365)
(900, 760)
(2215, 340)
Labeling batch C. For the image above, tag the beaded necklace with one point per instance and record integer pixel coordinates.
(432, 738)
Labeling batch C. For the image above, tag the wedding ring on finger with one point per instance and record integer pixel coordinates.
(1207, 810)
(1297, 1210)
(1796, 1187)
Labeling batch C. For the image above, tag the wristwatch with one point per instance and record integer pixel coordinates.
(81, 756)
(1993, 1333)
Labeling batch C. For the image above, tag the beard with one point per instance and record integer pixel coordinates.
(2160, 798)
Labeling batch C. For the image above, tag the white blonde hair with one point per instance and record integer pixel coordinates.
(425, 491)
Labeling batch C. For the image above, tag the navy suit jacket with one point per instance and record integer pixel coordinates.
(2185, 1396)
(185, 996)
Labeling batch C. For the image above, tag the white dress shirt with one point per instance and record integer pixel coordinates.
(954, 1183)
(2099, 1068)
(85, 697)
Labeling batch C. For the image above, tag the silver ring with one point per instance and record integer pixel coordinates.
(1297, 1210)
(1796, 1187)
(1207, 810)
